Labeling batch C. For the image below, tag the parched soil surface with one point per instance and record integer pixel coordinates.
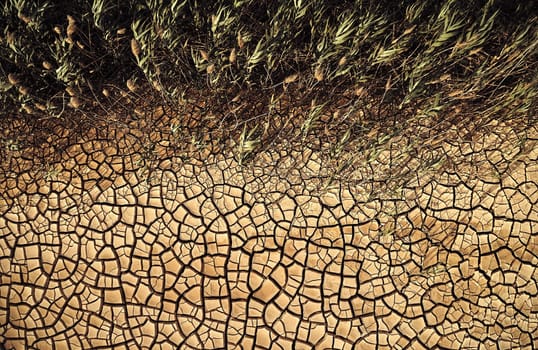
(120, 241)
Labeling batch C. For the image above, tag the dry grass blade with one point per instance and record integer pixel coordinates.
(345, 30)
(247, 143)
(257, 56)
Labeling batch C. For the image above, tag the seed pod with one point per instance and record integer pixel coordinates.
(75, 102)
(72, 26)
(24, 18)
(240, 41)
(204, 55)
(318, 73)
(444, 77)
(156, 85)
(359, 91)
(47, 65)
(71, 91)
(236, 98)
(233, 56)
(122, 31)
(388, 84)
(135, 47)
(409, 30)
(106, 93)
(131, 85)
(28, 109)
(210, 69)
(342, 61)
(40, 106)
(57, 30)
(23, 90)
(13, 79)
(291, 78)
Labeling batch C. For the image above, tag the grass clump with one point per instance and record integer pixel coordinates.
(86, 56)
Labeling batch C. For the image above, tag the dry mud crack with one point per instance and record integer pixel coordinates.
(101, 251)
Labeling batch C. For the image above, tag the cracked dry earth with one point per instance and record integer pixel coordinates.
(102, 251)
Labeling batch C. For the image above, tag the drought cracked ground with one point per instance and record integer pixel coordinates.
(116, 245)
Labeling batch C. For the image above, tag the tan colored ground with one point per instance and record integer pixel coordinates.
(118, 245)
